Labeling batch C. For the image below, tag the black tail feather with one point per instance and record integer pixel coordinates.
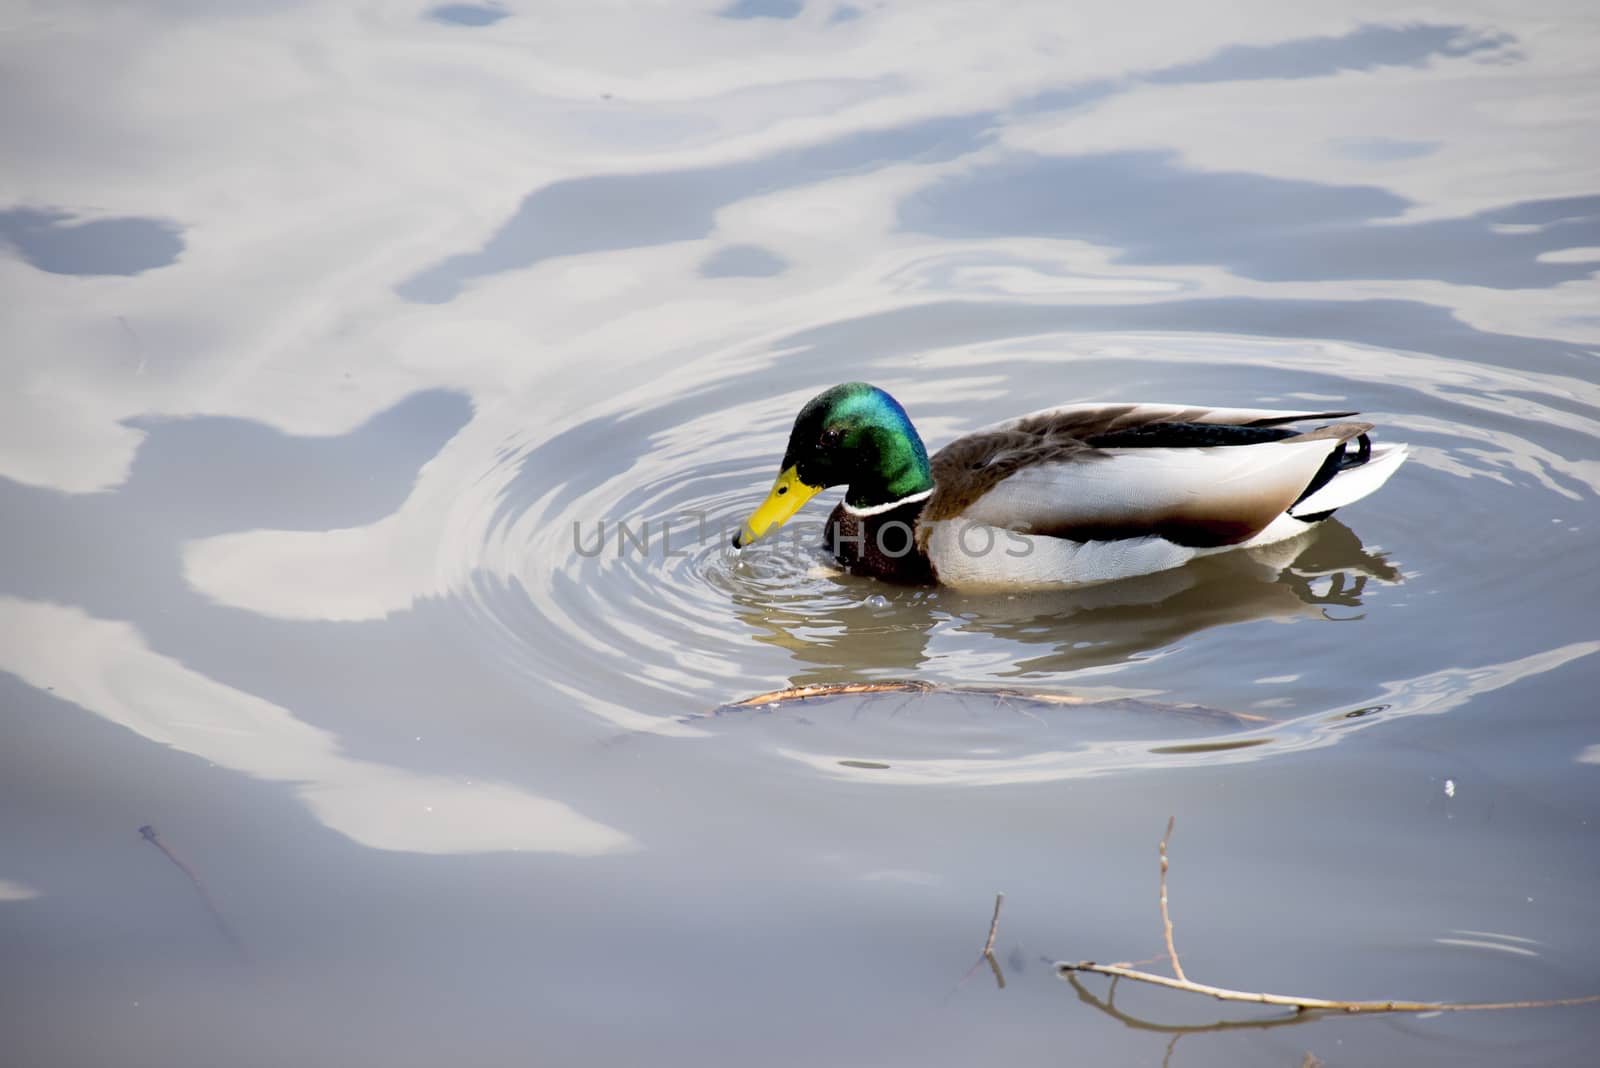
(1340, 459)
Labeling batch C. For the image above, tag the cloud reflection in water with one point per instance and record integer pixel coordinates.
(104, 667)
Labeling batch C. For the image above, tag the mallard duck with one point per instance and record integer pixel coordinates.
(1065, 496)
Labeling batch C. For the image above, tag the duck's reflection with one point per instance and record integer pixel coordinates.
(876, 631)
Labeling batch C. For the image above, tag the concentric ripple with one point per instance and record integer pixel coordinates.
(593, 559)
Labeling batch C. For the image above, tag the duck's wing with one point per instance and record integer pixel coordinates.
(1084, 420)
(1197, 477)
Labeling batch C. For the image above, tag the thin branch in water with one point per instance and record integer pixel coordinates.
(994, 966)
(1166, 917)
(988, 952)
(149, 834)
(1108, 1006)
(988, 946)
(1300, 1003)
(914, 688)
(1127, 963)
(994, 925)
(841, 689)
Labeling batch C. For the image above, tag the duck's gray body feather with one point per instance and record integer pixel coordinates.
(1087, 493)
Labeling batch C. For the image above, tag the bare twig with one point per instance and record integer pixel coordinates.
(994, 966)
(994, 925)
(1300, 1004)
(1109, 1007)
(1308, 1004)
(988, 946)
(1126, 963)
(915, 687)
(909, 686)
(1166, 917)
(148, 833)
(988, 952)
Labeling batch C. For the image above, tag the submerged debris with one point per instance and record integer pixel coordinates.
(1009, 695)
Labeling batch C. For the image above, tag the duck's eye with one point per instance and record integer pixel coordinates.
(831, 437)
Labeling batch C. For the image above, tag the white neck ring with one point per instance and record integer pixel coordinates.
(879, 509)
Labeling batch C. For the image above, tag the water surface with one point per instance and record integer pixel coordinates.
(380, 386)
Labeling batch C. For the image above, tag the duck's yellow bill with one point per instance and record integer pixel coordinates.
(787, 496)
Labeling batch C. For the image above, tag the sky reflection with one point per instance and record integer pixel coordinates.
(325, 345)
(467, 14)
(325, 324)
(1433, 693)
(54, 241)
(763, 9)
(698, 162)
(616, 212)
(1362, 49)
(1272, 229)
(105, 668)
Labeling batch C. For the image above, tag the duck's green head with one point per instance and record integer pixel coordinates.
(853, 435)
